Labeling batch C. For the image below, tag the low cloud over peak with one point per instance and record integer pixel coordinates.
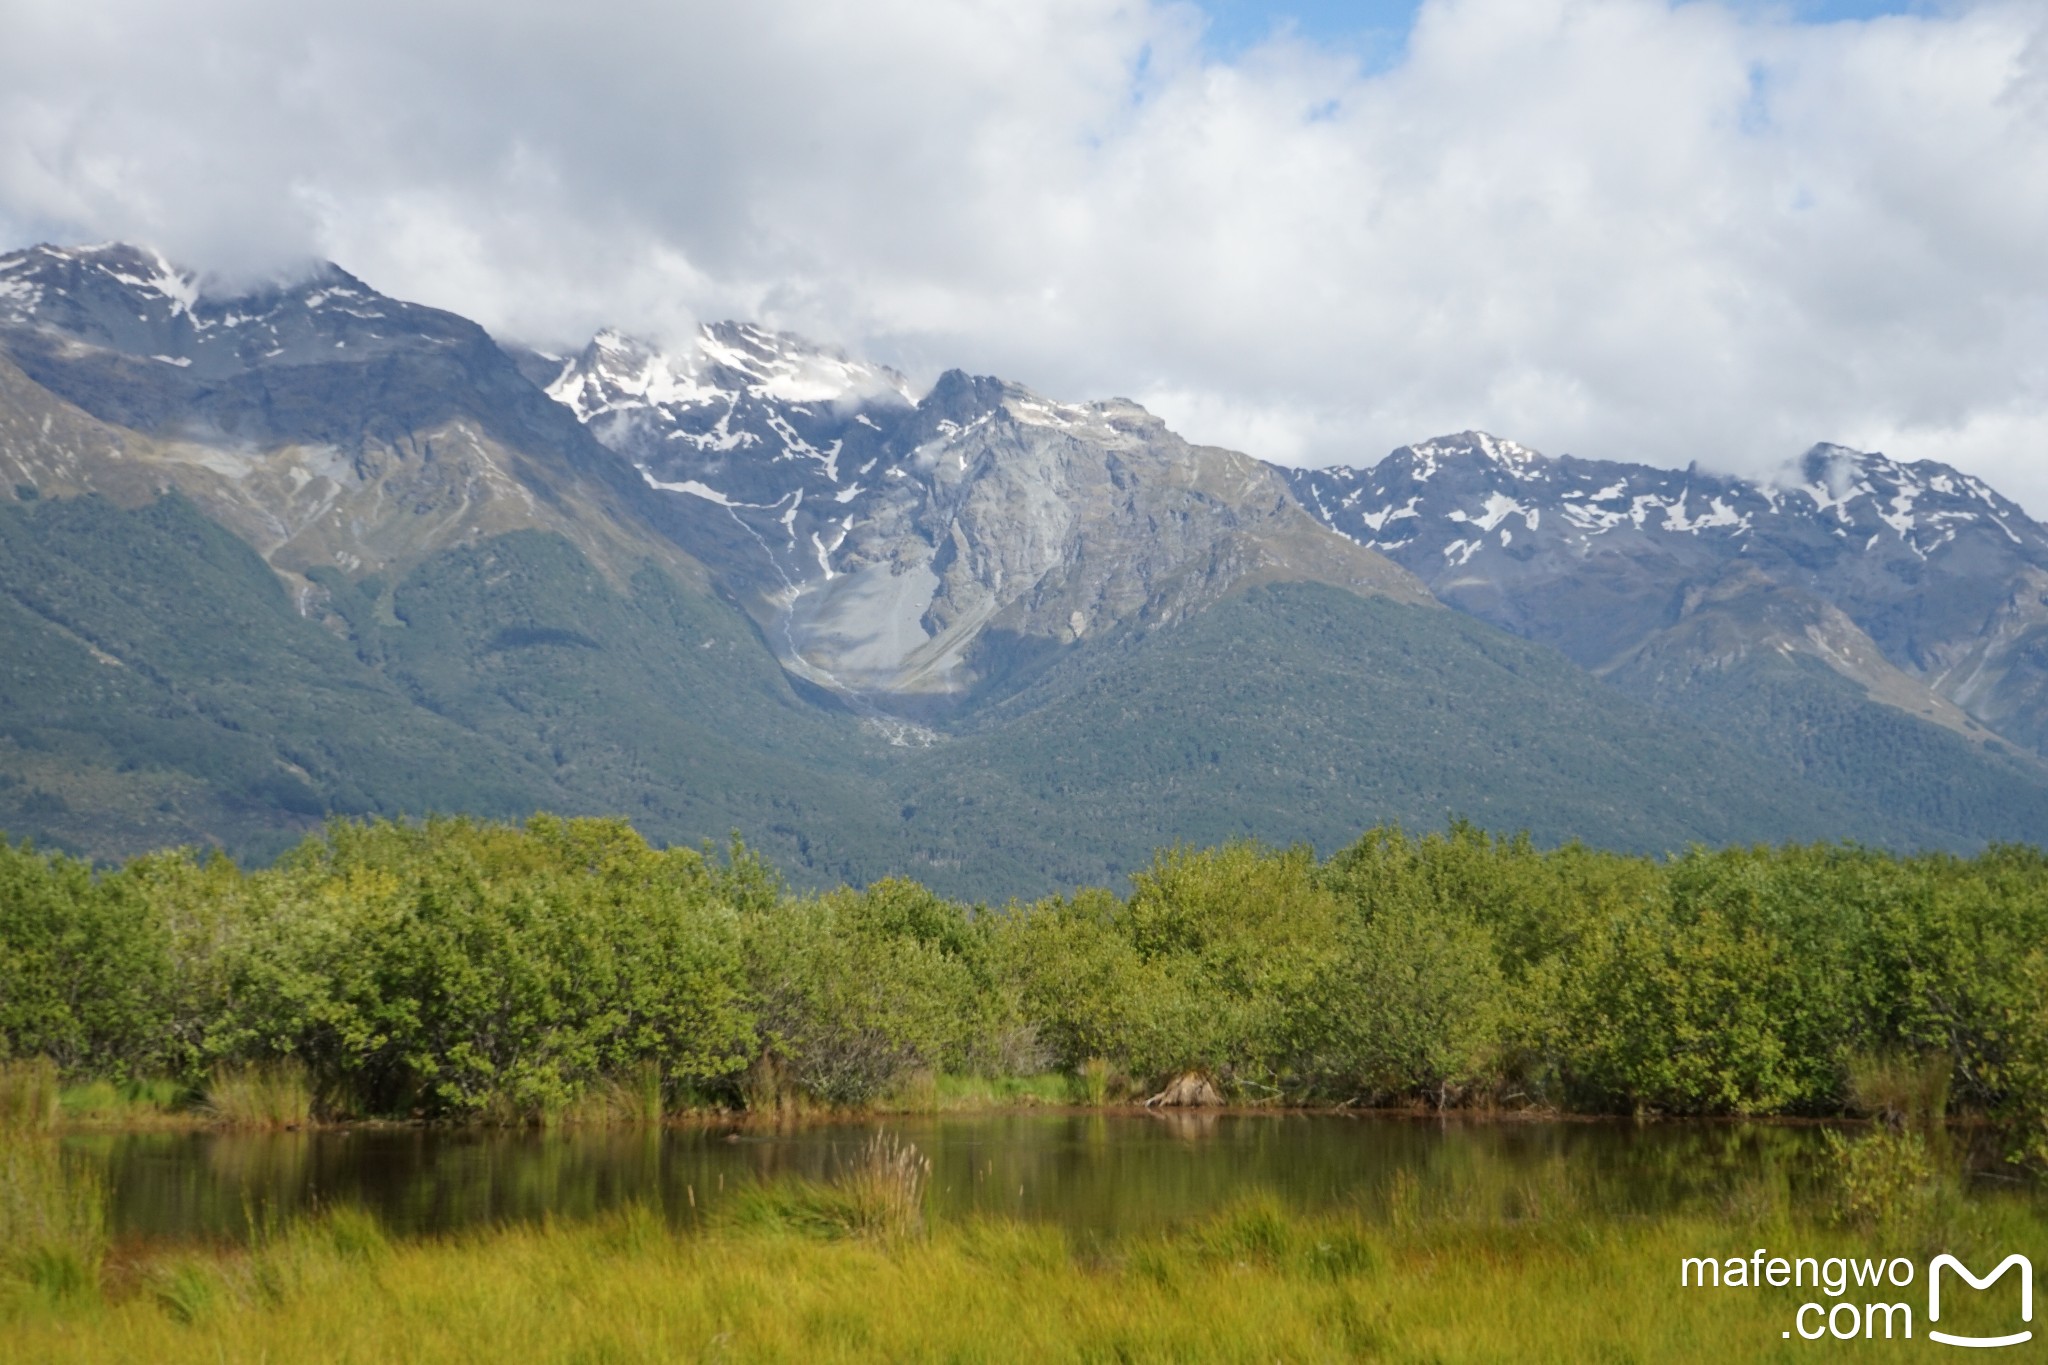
(1621, 228)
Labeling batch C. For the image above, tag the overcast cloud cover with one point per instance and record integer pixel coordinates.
(1620, 228)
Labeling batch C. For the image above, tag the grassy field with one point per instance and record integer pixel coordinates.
(852, 1270)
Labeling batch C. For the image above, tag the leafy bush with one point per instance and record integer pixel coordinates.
(1882, 1178)
(853, 991)
(458, 969)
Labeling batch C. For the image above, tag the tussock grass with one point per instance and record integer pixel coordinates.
(127, 1104)
(1096, 1079)
(275, 1094)
(636, 1098)
(1255, 1282)
(1900, 1089)
(877, 1196)
(769, 1090)
(53, 1235)
(28, 1095)
(886, 1184)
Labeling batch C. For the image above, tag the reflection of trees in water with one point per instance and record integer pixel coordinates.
(1094, 1174)
(1185, 1125)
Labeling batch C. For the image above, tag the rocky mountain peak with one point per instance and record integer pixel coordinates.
(1925, 505)
(1429, 456)
(1598, 556)
(330, 425)
(133, 301)
(723, 366)
(73, 278)
(883, 545)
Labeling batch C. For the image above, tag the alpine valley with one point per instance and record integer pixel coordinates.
(271, 555)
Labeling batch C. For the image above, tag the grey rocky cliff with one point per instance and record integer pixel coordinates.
(898, 551)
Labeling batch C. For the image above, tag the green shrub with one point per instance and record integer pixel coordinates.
(1881, 1178)
(566, 971)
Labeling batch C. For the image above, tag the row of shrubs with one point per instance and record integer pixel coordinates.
(455, 969)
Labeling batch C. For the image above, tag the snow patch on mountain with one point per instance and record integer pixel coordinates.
(1474, 480)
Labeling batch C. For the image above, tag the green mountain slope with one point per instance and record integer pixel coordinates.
(158, 687)
(395, 578)
(1791, 676)
(1302, 712)
(1823, 727)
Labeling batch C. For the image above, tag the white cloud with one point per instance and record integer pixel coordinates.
(1615, 227)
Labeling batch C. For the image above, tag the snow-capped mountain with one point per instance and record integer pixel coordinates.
(1942, 574)
(747, 416)
(133, 301)
(498, 571)
(329, 425)
(886, 546)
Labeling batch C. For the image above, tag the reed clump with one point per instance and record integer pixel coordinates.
(1900, 1089)
(53, 1225)
(270, 1094)
(1094, 1078)
(28, 1095)
(635, 1098)
(769, 1089)
(886, 1184)
(878, 1195)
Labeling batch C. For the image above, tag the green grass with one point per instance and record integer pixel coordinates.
(1493, 1264)
(1528, 1274)
(1005, 1092)
(126, 1104)
(926, 1093)
(53, 1236)
(28, 1095)
(261, 1095)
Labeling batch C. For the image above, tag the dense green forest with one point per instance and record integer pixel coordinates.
(160, 686)
(465, 970)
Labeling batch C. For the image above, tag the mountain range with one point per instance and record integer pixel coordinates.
(273, 554)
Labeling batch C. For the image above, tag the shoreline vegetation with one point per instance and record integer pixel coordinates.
(565, 972)
(1532, 1264)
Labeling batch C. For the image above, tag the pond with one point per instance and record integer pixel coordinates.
(1100, 1175)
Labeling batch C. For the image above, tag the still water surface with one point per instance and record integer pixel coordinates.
(1098, 1175)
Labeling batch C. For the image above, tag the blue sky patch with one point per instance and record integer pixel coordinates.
(1377, 30)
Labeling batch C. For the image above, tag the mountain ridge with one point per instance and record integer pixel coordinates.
(976, 635)
(1909, 563)
(886, 545)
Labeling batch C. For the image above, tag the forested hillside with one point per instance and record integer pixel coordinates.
(305, 550)
(165, 691)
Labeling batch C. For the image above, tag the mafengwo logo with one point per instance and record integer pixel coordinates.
(1880, 1313)
(1948, 1262)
